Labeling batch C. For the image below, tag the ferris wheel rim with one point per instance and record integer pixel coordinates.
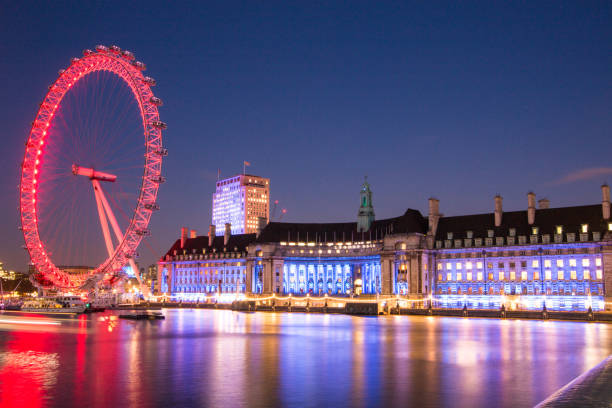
(122, 65)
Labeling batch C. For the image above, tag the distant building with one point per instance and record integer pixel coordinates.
(242, 201)
(561, 256)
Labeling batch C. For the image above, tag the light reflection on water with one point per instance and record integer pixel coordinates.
(224, 358)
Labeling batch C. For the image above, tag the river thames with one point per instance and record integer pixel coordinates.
(218, 358)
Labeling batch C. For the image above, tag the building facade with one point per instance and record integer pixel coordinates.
(561, 257)
(243, 201)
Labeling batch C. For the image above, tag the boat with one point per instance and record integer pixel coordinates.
(143, 316)
(59, 304)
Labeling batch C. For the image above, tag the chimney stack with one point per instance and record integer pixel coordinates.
(228, 233)
(498, 210)
(605, 201)
(193, 234)
(434, 214)
(211, 234)
(531, 207)
(184, 232)
(544, 203)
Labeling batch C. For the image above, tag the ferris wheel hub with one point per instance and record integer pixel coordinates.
(92, 174)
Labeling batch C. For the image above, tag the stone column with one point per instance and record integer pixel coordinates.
(386, 273)
(249, 276)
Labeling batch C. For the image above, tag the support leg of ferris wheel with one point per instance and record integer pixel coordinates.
(115, 226)
(106, 213)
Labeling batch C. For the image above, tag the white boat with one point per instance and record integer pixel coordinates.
(59, 304)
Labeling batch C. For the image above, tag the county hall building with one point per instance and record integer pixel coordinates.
(561, 256)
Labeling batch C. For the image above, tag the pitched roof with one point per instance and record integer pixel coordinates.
(571, 218)
(411, 221)
(236, 243)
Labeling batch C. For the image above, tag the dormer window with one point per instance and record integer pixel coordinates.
(512, 232)
(449, 235)
(584, 228)
(534, 230)
(470, 234)
(490, 233)
(559, 229)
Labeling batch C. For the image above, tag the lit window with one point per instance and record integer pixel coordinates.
(559, 263)
(586, 262)
(524, 275)
(548, 275)
(573, 262)
(534, 230)
(468, 276)
(560, 275)
(599, 274)
(468, 265)
(586, 274)
(448, 266)
(535, 264)
(439, 266)
(573, 275)
(459, 266)
(512, 276)
(584, 228)
(610, 226)
(449, 235)
(459, 277)
(597, 261)
(449, 276)
(547, 263)
(536, 275)
(439, 277)
(479, 265)
(501, 276)
(559, 229)
(479, 276)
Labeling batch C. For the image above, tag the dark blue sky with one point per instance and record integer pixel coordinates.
(459, 101)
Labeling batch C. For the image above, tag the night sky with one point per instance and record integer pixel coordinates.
(457, 101)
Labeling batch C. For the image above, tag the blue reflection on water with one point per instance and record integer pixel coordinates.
(224, 358)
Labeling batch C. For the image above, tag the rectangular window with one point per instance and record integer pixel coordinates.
(512, 276)
(449, 276)
(501, 276)
(597, 261)
(468, 265)
(479, 265)
(468, 276)
(512, 264)
(559, 275)
(547, 263)
(536, 275)
(490, 275)
(572, 262)
(523, 264)
(599, 274)
(459, 277)
(479, 276)
(584, 228)
(559, 263)
(439, 277)
(559, 229)
(439, 266)
(500, 265)
(535, 263)
(524, 275)
(548, 275)
(586, 262)
(534, 230)
(573, 275)
(586, 274)
(448, 266)
(490, 265)
(459, 266)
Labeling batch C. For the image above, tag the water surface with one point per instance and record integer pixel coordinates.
(231, 359)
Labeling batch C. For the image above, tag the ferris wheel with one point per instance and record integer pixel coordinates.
(92, 162)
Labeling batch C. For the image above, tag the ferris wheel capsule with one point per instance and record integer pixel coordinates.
(74, 60)
(149, 81)
(156, 101)
(139, 65)
(159, 124)
(114, 49)
(101, 48)
(127, 55)
(87, 52)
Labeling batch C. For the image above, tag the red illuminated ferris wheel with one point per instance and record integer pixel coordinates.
(98, 125)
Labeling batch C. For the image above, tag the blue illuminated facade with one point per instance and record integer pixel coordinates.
(558, 257)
